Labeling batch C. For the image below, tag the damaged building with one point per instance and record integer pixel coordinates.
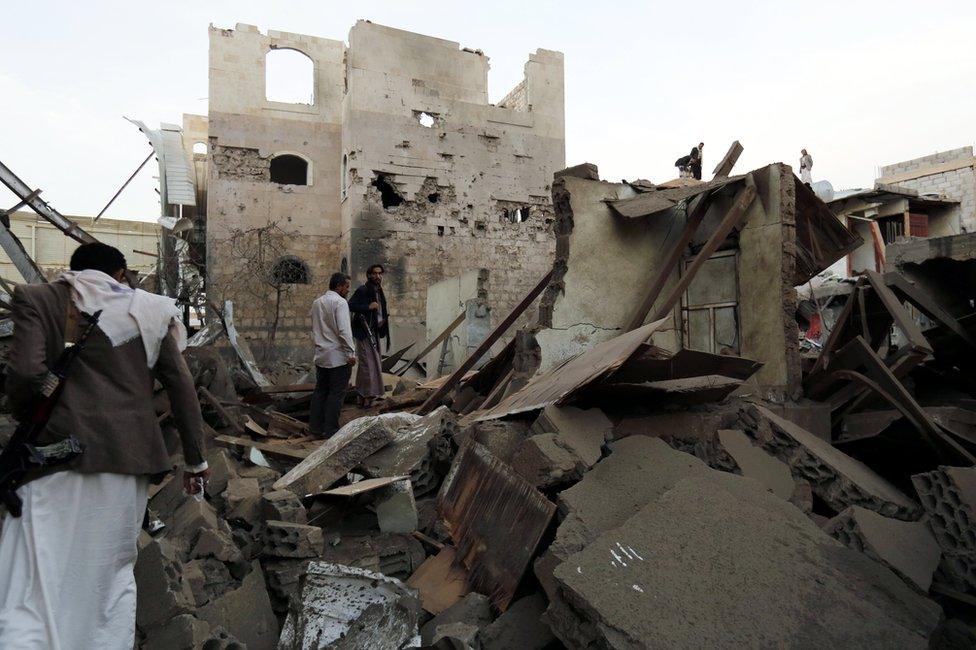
(392, 161)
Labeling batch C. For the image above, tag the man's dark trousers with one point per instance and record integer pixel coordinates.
(330, 389)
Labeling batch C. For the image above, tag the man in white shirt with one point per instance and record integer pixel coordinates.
(806, 166)
(335, 355)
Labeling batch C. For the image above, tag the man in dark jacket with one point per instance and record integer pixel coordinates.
(66, 564)
(370, 325)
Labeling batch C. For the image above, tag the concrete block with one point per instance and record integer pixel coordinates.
(265, 476)
(342, 452)
(664, 578)
(208, 579)
(161, 592)
(286, 539)
(220, 546)
(835, 477)
(906, 547)
(521, 626)
(396, 509)
(282, 576)
(545, 462)
(583, 431)
(948, 495)
(283, 505)
(474, 610)
(222, 469)
(392, 554)
(345, 608)
(187, 632)
(245, 613)
(242, 500)
(500, 437)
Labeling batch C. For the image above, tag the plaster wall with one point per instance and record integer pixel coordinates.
(445, 301)
(605, 263)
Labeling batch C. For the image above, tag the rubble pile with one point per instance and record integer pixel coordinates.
(611, 477)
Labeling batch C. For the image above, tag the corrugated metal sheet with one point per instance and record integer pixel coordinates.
(176, 177)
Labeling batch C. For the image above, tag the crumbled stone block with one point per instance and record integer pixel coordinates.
(520, 626)
(243, 500)
(948, 495)
(282, 505)
(287, 539)
(162, 593)
(474, 609)
(245, 613)
(396, 509)
(545, 462)
(208, 579)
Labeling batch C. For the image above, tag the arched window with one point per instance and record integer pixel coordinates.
(288, 169)
(290, 270)
(200, 148)
(289, 77)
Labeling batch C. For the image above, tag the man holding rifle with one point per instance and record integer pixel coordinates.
(66, 562)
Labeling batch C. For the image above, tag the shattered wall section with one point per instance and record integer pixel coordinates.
(437, 180)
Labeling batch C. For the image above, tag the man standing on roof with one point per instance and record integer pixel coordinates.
(66, 564)
(335, 355)
(370, 325)
(806, 165)
(696, 161)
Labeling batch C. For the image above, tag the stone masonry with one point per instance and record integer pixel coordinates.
(408, 165)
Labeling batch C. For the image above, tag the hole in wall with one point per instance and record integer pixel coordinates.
(289, 77)
(516, 215)
(440, 231)
(433, 197)
(290, 270)
(426, 119)
(344, 266)
(388, 192)
(287, 169)
(200, 148)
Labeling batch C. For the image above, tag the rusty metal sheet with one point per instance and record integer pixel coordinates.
(496, 519)
(562, 381)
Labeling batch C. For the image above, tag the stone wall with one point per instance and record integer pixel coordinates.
(958, 184)
(411, 167)
(467, 184)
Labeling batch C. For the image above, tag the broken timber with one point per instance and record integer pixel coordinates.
(433, 344)
(31, 198)
(279, 450)
(725, 165)
(480, 351)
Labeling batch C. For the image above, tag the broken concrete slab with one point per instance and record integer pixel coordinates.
(500, 437)
(345, 608)
(242, 500)
(473, 609)
(948, 495)
(835, 477)
(409, 453)
(218, 545)
(396, 509)
(906, 547)
(756, 463)
(287, 539)
(209, 579)
(338, 455)
(521, 626)
(545, 461)
(245, 612)
(583, 430)
(454, 636)
(187, 632)
(664, 578)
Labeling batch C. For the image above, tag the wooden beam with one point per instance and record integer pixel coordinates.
(724, 167)
(734, 217)
(879, 246)
(280, 450)
(693, 220)
(433, 344)
(490, 340)
(224, 414)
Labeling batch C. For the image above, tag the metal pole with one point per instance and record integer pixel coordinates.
(124, 185)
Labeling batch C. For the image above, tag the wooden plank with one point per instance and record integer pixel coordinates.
(733, 218)
(279, 450)
(724, 167)
(224, 414)
(903, 320)
(490, 340)
(286, 388)
(360, 487)
(879, 245)
(433, 344)
(925, 304)
(440, 580)
(692, 222)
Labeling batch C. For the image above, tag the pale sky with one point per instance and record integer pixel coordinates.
(858, 83)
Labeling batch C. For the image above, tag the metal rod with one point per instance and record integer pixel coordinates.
(124, 185)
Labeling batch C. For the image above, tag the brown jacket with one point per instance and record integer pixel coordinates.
(107, 399)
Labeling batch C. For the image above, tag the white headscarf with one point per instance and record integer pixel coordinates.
(126, 312)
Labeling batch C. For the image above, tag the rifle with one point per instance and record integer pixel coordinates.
(21, 455)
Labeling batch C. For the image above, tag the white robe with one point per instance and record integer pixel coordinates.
(66, 565)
